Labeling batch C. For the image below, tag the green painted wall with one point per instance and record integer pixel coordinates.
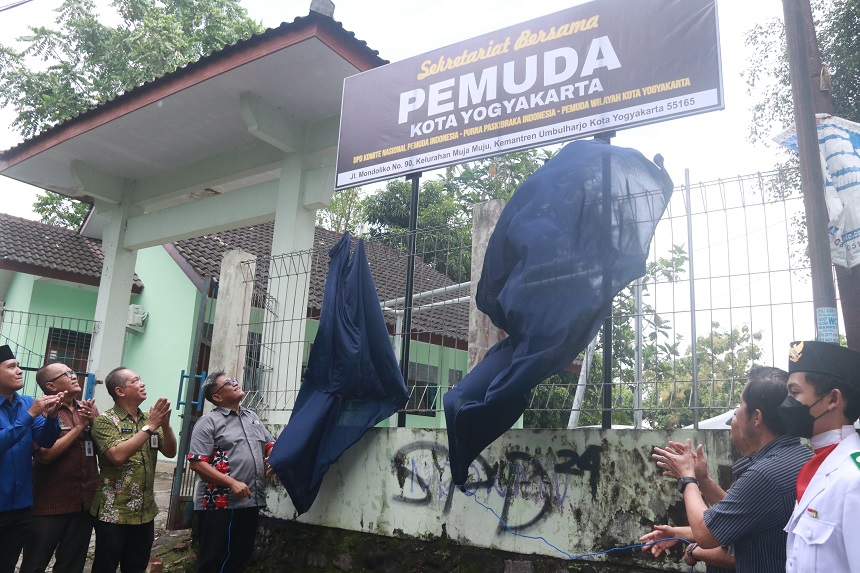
(64, 299)
(162, 350)
(20, 292)
(444, 360)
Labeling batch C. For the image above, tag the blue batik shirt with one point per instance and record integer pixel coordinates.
(18, 431)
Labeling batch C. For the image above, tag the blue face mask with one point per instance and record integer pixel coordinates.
(796, 417)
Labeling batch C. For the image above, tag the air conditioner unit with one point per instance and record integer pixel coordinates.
(136, 315)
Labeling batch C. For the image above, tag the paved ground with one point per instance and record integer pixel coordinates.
(173, 547)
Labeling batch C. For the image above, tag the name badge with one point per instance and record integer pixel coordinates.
(88, 448)
(153, 441)
(126, 431)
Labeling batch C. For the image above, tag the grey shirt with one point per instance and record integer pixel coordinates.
(234, 444)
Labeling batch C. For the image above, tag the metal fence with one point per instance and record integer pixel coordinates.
(37, 339)
(734, 251)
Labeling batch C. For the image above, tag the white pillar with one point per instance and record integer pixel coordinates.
(284, 332)
(113, 298)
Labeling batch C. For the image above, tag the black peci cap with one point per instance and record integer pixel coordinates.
(825, 358)
(6, 353)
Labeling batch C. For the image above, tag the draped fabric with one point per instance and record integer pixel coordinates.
(563, 247)
(352, 381)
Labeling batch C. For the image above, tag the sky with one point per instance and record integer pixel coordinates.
(711, 146)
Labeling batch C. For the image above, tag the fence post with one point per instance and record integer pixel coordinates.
(230, 330)
(483, 334)
(410, 275)
(694, 397)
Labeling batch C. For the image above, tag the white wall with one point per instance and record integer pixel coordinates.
(583, 490)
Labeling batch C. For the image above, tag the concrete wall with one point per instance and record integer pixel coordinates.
(583, 490)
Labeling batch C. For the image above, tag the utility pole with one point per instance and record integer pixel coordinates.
(847, 280)
(811, 176)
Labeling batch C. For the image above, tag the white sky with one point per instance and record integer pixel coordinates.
(712, 145)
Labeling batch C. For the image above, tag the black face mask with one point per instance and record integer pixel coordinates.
(796, 418)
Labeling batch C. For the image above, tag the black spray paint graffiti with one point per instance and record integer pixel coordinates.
(545, 480)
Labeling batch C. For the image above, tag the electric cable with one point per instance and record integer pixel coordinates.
(13, 5)
(569, 556)
(229, 533)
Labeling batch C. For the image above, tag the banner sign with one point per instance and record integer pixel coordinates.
(839, 145)
(595, 67)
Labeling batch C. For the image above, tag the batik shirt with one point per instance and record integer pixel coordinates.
(126, 493)
(236, 444)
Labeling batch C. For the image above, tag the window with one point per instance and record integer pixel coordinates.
(70, 347)
(423, 388)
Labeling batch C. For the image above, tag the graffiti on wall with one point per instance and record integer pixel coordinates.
(541, 480)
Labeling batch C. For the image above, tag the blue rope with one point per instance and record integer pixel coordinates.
(569, 556)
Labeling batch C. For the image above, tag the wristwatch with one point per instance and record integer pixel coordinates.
(682, 483)
(690, 548)
(146, 429)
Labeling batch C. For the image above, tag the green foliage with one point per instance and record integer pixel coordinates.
(837, 24)
(62, 72)
(723, 359)
(494, 178)
(387, 210)
(444, 235)
(445, 207)
(54, 209)
(839, 35)
(344, 213)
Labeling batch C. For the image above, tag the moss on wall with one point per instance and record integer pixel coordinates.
(285, 546)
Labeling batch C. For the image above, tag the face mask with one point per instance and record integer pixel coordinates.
(796, 418)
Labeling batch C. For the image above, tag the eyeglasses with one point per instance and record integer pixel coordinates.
(70, 374)
(229, 381)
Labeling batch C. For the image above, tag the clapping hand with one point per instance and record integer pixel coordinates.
(85, 411)
(678, 460)
(47, 405)
(159, 414)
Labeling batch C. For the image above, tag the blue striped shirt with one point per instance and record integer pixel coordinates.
(758, 505)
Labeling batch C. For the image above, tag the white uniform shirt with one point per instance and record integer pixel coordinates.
(823, 532)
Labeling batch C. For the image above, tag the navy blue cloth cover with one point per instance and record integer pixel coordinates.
(553, 264)
(352, 381)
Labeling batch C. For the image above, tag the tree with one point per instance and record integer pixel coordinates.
(552, 400)
(54, 209)
(62, 72)
(839, 35)
(724, 357)
(493, 178)
(837, 23)
(344, 213)
(443, 239)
